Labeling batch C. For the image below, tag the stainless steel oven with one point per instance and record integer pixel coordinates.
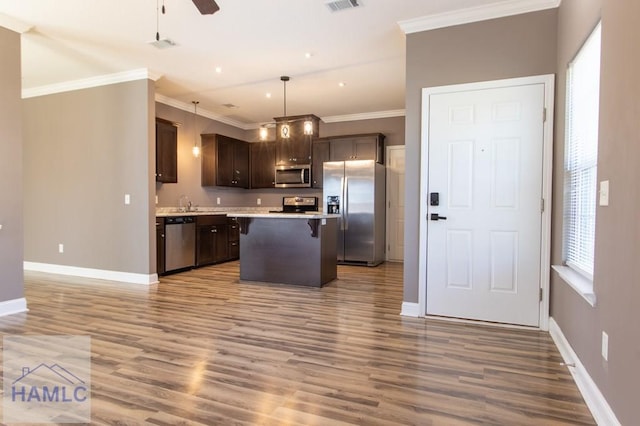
(298, 176)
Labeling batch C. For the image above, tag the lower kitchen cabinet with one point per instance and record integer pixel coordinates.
(211, 239)
(160, 238)
(234, 238)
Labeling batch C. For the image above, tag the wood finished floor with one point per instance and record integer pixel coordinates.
(202, 348)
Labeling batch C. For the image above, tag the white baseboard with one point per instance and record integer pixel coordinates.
(410, 309)
(101, 274)
(600, 409)
(14, 306)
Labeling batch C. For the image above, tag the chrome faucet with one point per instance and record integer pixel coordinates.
(187, 204)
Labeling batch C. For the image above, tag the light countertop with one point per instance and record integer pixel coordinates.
(309, 215)
(241, 212)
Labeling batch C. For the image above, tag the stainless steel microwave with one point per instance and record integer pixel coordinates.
(297, 176)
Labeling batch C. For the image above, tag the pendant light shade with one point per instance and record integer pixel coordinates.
(196, 148)
(285, 128)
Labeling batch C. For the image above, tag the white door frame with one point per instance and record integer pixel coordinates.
(389, 227)
(547, 168)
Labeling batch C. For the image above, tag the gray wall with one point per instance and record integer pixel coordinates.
(11, 242)
(617, 269)
(189, 168)
(84, 150)
(515, 46)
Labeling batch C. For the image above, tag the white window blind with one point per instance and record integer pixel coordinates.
(581, 156)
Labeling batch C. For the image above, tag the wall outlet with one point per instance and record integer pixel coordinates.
(60, 248)
(156, 199)
(127, 199)
(218, 200)
(259, 201)
(605, 346)
(604, 193)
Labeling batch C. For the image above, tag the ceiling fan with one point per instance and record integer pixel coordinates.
(207, 7)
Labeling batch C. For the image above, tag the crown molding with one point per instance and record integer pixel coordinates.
(188, 107)
(202, 112)
(475, 14)
(14, 24)
(86, 83)
(364, 116)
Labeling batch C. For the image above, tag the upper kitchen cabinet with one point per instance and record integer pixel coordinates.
(293, 145)
(166, 151)
(263, 161)
(225, 161)
(319, 154)
(232, 162)
(358, 147)
(208, 156)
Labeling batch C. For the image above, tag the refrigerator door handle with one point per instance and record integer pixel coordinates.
(345, 208)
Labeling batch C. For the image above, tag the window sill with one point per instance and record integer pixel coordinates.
(582, 285)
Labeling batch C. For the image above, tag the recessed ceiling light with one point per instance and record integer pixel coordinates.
(308, 55)
(342, 84)
(268, 95)
(218, 70)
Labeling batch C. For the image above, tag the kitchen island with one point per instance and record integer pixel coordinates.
(288, 248)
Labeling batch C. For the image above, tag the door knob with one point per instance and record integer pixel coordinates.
(436, 216)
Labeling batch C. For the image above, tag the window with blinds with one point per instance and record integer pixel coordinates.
(581, 156)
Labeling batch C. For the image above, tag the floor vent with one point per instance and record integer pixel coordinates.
(337, 5)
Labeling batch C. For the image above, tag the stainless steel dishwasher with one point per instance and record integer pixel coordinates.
(180, 243)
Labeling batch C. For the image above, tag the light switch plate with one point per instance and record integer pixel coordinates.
(60, 248)
(604, 193)
(605, 346)
(218, 200)
(259, 201)
(127, 199)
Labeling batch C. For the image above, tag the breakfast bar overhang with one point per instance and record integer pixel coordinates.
(298, 249)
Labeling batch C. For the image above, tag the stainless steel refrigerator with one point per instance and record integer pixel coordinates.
(356, 191)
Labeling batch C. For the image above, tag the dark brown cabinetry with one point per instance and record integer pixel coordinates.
(232, 162)
(233, 238)
(211, 239)
(290, 152)
(319, 154)
(263, 161)
(160, 239)
(225, 161)
(358, 147)
(166, 151)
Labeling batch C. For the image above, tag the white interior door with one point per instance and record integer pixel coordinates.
(395, 202)
(485, 164)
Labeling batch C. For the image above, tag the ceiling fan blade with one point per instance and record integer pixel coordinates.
(207, 7)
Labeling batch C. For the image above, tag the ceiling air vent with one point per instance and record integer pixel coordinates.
(336, 5)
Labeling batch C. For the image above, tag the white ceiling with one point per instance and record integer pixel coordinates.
(253, 41)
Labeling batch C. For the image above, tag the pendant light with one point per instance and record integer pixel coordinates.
(295, 127)
(196, 148)
(285, 129)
